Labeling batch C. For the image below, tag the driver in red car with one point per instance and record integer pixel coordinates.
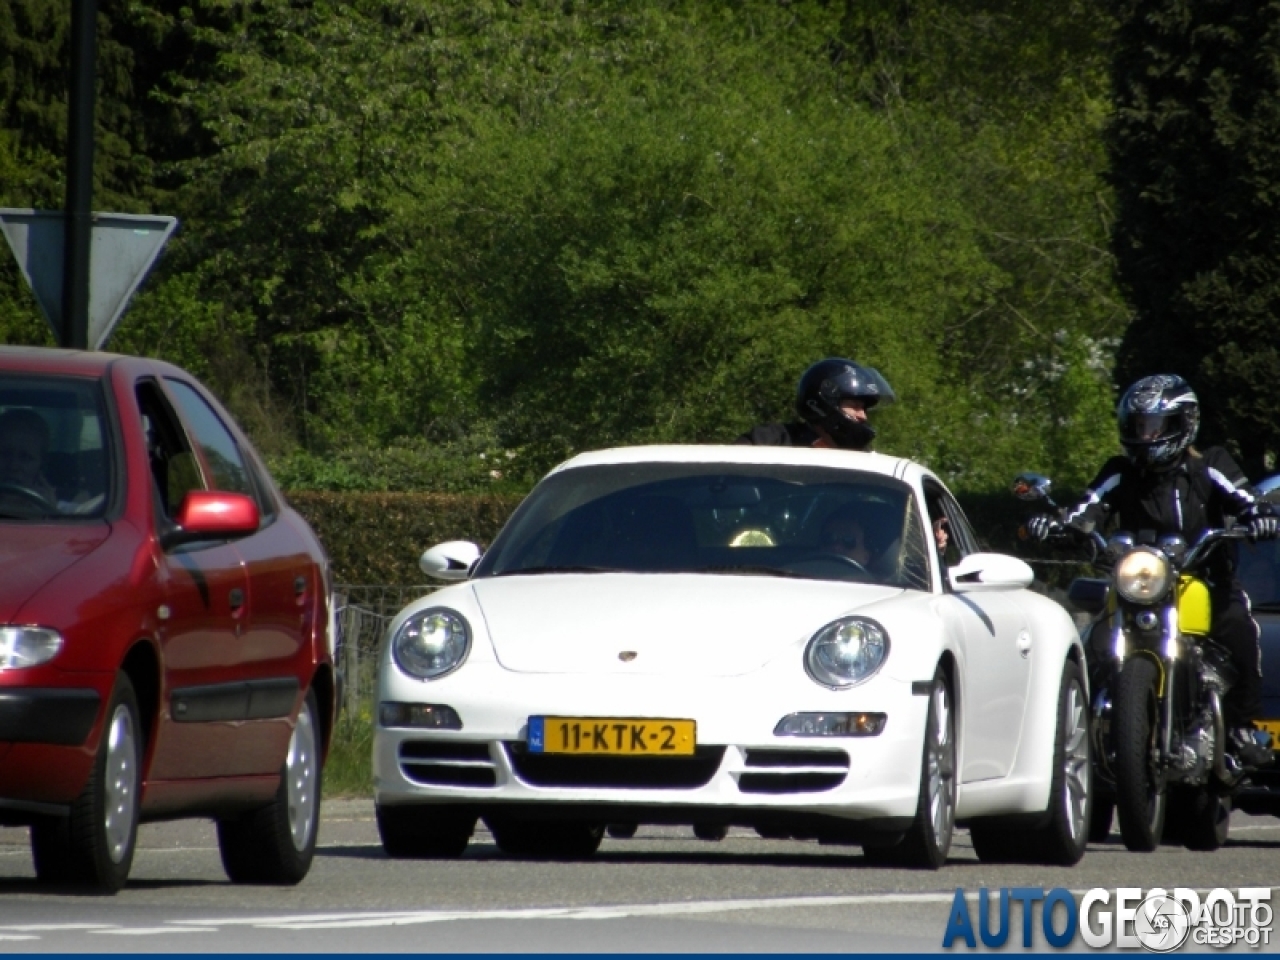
(24, 442)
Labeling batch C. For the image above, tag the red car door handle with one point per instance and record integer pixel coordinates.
(237, 598)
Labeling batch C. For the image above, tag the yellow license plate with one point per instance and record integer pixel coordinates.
(612, 736)
(1273, 728)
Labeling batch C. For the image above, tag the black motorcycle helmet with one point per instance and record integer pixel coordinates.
(830, 381)
(1158, 418)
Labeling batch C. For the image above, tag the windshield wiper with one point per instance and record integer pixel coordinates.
(556, 569)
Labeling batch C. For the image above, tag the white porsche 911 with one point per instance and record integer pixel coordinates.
(761, 637)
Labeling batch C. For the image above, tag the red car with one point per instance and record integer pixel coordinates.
(166, 624)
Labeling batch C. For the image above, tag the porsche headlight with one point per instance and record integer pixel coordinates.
(431, 643)
(846, 652)
(27, 646)
(1143, 576)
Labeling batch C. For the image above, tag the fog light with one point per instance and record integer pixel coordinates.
(830, 725)
(427, 716)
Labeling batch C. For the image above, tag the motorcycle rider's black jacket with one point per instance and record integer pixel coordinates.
(795, 434)
(1198, 492)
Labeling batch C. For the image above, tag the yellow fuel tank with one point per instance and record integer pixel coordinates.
(1194, 610)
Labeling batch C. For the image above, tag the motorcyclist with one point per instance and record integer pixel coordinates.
(833, 399)
(1166, 486)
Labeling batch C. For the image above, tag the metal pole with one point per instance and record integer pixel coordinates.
(78, 223)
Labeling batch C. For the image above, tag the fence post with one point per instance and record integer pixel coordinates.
(351, 656)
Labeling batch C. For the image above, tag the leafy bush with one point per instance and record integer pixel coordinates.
(377, 538)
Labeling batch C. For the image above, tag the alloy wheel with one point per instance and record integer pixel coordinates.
(1076, 767)
(300, 773)
(120, 786)
(942, 768)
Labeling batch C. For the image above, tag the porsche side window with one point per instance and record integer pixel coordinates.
(216, 443)
(944, 512)
(174, 466)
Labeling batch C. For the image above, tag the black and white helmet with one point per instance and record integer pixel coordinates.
(825, 384)
(1158, 418)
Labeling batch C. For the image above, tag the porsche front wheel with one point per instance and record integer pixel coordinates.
(424, 832)
(546, 840)
(1061, 838)
(927, 842)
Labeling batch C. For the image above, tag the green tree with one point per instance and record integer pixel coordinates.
(1195, 148)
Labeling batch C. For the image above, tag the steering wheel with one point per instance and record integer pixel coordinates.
(26, 493)
(847, 561)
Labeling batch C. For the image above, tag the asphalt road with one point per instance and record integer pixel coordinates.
(661, 891)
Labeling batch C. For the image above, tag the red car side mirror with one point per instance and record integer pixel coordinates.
(214, 515)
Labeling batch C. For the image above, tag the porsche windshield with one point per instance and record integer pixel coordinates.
(736, 519)
(54, 449)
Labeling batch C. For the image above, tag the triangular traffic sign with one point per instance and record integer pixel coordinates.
(122, 248)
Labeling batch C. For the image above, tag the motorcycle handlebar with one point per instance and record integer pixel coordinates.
(1208, 540)
(1100, 546)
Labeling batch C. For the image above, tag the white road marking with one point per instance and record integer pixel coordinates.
(149, 931)
(333, 921)
(17, 936)
(344, 920)
(54, 927)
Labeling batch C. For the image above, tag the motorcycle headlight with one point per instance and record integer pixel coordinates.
(27, 646)
(431, 643)
(1143, 575)
(846, 652)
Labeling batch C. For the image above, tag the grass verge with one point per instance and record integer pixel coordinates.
(349, 770)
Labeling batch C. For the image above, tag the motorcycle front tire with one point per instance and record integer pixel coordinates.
(1141, 795)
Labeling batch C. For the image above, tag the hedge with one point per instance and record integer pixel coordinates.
(378, 537)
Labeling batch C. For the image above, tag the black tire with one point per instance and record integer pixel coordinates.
(1060, 839)
(93, 847)
(622, 831)
(546, 840)
(275, 844)
(711, 832)
(927, 841)
(1141, 795)
(1201, 816)
(425, 832)
(1103, 813)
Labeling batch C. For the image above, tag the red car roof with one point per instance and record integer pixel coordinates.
(85, 363)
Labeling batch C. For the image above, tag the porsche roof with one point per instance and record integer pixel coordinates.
(743, 453)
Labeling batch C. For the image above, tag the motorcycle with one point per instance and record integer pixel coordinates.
(1157, 684)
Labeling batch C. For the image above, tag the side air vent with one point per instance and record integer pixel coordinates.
(444, 763)
(792, 771)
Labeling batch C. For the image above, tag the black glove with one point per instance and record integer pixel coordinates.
(1042, 526)
(1263, 525)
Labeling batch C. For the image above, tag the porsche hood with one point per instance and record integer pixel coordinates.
(686, 624)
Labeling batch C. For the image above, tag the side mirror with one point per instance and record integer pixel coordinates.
(1032, 487)
(213, 515)
(450, 561)
(989, 571)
